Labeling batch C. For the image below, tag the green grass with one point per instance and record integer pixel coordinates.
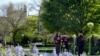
(46, 48)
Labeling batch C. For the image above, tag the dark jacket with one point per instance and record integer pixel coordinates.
(57, 39)
(65, 40)
(80, 41)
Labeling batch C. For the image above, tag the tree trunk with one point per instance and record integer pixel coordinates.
(13, 37)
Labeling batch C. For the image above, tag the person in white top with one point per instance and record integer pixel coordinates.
(34, 50)
(18, 50)
(8, 51)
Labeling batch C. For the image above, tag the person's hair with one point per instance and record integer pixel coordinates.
(57, 34)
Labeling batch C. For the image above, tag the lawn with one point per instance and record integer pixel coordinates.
(46, 48)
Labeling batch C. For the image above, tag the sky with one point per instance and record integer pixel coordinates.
(30, 11)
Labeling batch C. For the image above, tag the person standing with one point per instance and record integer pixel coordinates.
(34, 49)
(65, 42)
(57, 41)
(80, 43)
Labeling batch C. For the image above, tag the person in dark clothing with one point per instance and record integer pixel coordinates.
(80, 43)
(65, 44)
(98, 44)
(57, 41)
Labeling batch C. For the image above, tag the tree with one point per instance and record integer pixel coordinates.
(68, 15)
(31, 28)
(37, 7)
(4, 28)
(14, 16)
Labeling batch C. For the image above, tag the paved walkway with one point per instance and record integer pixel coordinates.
(46, 54)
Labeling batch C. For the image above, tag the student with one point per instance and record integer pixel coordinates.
(80, 43)
(57, 41)
(65, 42)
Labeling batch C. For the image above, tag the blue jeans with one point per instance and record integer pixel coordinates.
(57, 46)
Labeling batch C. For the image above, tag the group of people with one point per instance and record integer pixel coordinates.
(62, 43)
(19, 51)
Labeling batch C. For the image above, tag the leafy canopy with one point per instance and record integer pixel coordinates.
(69, 15)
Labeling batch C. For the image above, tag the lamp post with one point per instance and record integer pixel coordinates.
(74, 42)
(90, 26)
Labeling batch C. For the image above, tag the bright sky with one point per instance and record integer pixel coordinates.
(27, 2)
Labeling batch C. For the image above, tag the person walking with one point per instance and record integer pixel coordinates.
(57, 41)
(65, 43)
(80, 43)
